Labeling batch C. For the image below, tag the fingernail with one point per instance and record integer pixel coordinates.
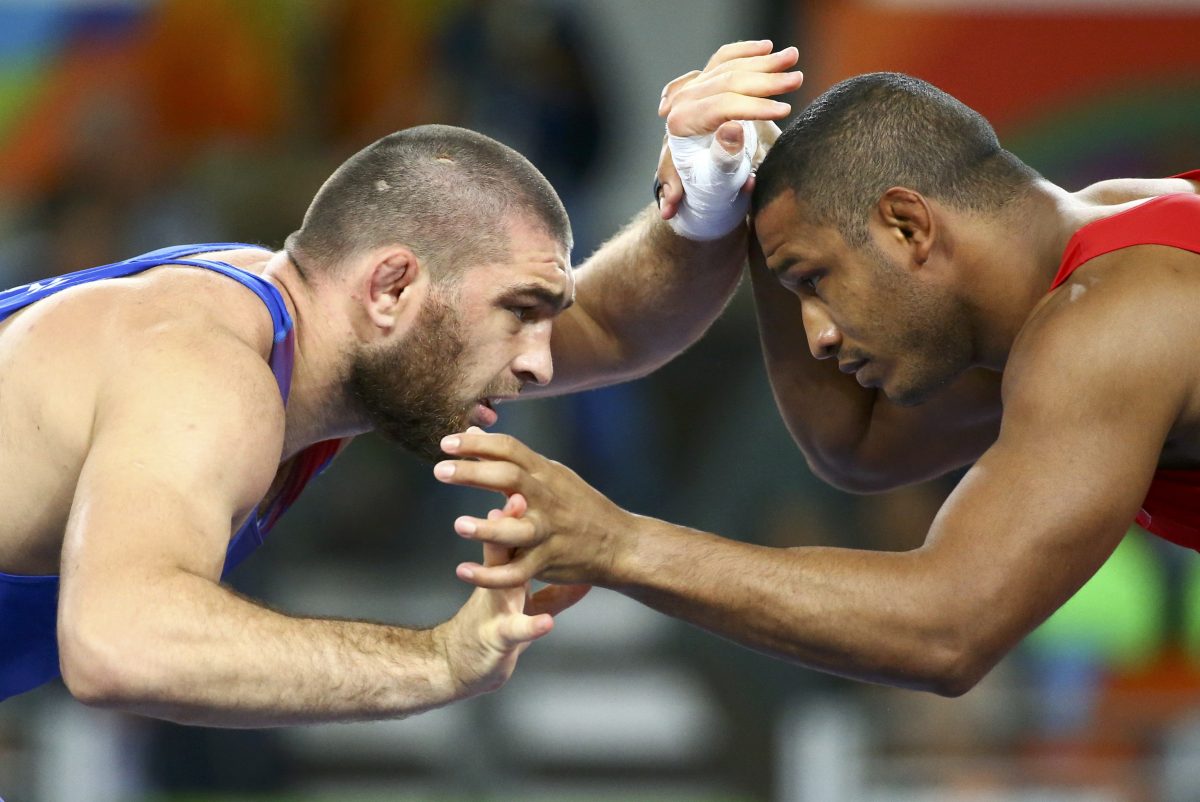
(450, 443)
(443, 470)
(466, 573)
(465, 526)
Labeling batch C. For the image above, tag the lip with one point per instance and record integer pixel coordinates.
(484, 415)
(852, 367)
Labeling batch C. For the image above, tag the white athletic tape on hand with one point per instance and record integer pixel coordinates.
(713, 203)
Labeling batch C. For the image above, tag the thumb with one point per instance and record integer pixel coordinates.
(520, 629)
(727, 147)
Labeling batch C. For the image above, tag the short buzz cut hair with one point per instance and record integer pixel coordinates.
(446, 192)
(873, 132)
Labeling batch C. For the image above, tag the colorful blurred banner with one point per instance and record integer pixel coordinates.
(188, 73)
(1082, 90)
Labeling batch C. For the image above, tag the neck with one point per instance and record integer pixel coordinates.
(1013, 263)
(318, 408)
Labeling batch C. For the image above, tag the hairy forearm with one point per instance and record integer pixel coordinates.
(860, 614)
(211, 657)
(642, 298)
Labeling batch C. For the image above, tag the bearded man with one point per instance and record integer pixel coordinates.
(160, 413)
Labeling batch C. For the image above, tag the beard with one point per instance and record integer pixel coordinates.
(409, 391)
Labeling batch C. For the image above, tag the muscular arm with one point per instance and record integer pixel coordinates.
(852, 436)
(645, 296)
(187, 438)
(1088, 408)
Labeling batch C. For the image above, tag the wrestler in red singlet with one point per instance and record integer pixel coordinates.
(1171, 508)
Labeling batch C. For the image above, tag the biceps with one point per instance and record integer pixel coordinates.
(1028, 525)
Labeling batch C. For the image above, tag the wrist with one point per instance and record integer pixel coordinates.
(444, 677)
(630, 546)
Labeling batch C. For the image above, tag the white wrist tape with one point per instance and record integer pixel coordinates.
(713, 203)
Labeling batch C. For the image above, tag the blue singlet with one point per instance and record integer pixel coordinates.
(29, 604)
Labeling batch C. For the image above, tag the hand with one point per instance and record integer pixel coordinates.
(552, 599)
(482, 642)
(734, 85)
(567, 532)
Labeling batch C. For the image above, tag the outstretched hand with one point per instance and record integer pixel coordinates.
(483, 642)
(566, 532)
(736, 84)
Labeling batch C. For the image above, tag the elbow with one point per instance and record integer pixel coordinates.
(959, 666)
(97, 670)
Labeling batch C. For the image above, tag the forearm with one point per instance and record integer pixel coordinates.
(211, 657)
(827, 413)
(642, 298)
(866, 615)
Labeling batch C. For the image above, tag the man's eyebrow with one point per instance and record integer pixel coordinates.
(556, 299)
(784, 264)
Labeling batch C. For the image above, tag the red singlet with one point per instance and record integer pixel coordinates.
(1171, 508)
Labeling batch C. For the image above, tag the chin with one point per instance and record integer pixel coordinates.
(913, 394)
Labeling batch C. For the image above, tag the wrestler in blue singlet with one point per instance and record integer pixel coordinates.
(29, 604)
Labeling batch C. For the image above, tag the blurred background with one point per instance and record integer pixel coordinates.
(125, 126)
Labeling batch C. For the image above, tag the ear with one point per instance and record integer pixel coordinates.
(908, 219)
(391, 284)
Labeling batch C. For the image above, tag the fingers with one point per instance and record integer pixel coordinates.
(736, 50)
(759, 62)
(478, 443)
(513, 574)
(515, 506)
(672, 196)
(553, 599)
(708, 114)
(726, 148)
(495, 555)
(503, 477)
(769, 64)
(671, 191)
(664, 102)
(754, 84)
(516, 630)
(502, 531)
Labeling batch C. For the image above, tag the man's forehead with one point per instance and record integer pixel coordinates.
(783, 219)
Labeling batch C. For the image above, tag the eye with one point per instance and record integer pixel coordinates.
(810, 282)
(523, 313)
(803, 282)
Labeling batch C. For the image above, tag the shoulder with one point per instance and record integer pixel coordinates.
(1120, 330)
(1114, 191)
(181, 374)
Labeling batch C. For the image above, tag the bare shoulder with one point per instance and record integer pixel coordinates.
(1120, 330)
(176, 357)
(1115, 191)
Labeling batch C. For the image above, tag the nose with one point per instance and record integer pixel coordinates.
(535, 363)
(824, 337)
